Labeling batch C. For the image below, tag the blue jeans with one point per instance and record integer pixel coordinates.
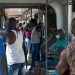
(51, 63)
(14, 69)
(35, 54)
(21, 70)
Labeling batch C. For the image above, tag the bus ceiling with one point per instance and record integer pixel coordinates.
(27, 3)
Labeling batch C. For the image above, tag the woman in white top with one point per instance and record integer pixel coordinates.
(35, 43)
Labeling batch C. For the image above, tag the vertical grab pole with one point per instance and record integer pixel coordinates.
(46, 33)
(69, 19)
(31, 13)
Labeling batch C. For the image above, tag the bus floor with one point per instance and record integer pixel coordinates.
(43, 71)
(27, 72)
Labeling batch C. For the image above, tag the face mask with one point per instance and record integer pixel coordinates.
(58, 36)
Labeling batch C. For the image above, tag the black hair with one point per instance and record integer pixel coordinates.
(59, 30)
(17, 21)
(10, 23)
(39, 25)
(62, 34)
(33, 21)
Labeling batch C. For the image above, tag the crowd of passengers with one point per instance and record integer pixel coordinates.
(21, 42)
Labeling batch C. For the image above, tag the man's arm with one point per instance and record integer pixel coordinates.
(63, 64)
(11, 37)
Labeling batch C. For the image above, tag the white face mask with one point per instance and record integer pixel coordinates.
(58, 36)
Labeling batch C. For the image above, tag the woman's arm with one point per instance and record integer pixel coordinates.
(63, 64)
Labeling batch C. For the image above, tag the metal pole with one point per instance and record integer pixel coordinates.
(69, 19)
(46, 33)
(31, 13)
(26, 18)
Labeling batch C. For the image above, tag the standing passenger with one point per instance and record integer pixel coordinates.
(14, 50)
(28, 41)
(35, 41)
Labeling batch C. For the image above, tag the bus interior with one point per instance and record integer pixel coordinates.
(54, 14)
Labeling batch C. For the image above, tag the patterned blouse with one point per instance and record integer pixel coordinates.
(71, 57)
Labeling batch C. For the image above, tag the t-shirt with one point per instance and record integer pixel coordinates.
(28, 34)
(57, 46)
(35, 36)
